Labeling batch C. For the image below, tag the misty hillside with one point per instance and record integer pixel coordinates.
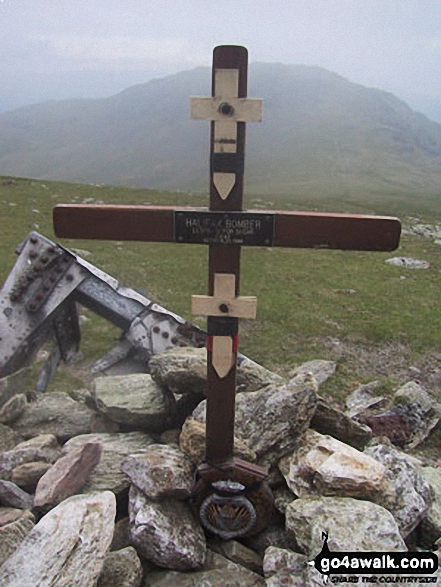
(320, 134)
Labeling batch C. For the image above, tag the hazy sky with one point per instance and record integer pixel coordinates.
(391, 44)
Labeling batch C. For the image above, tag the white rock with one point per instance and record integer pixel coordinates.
(408, 263)
(67, 547)
(323, 465)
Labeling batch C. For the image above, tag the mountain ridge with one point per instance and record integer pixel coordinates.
(320, 133)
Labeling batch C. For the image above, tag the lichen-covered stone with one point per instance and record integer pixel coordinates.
(161, 471)
(405, 492)
(54, 413)
(135, 401)
(166, 532)
(8, 437)
(184, 371)
(237, 553)
(271, 421)
(364, 398)
(424, 411)
(352, 525)
(181, 371)
(431, 524)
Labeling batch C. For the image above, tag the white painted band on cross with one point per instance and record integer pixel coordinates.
(223, 302)
(226, 109)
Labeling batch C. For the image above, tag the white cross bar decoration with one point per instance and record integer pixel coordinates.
(225, 109)
(224, 303)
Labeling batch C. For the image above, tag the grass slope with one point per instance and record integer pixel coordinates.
(349, 306)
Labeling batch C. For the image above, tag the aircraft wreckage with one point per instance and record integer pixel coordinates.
(39, 302)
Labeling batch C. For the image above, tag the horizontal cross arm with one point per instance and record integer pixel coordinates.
(354, 232)
(251, 227)
(226, 109)
(118, 222)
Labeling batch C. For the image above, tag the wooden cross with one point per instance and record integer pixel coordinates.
(232, 496)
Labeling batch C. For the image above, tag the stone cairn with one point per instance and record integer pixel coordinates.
(95, 486)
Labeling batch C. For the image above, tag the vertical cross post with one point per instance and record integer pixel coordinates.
(223, 478)
(228, 110)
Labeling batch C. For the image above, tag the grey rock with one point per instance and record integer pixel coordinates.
(307, 518)
(121, 535)
(364, 398)
(271, 421)
(253, 377)
(184, 371)
(166, 532)
(67, 547)
(15, 525)
(12, 385)
(43, 447)
(217, 571)
(424, 411)
(275, 534)
(161, 471)
(11, 496)
(101, 423)
(8, 437)
(116, 448)
(28, 475)
(181, 371)
(284, 567)
(135, 401)
(68, 475)
(408, 263)
(405, 492)
(322, 465)
(13, 409)
(321, 370)
(282, 498)
(192, 443)
(121, 569)
(431, 524)
(238, 553)
(170, 436)
(329, 420)
(430, 231)
(54, 413)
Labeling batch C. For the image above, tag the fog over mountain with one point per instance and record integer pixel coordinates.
(321, 133)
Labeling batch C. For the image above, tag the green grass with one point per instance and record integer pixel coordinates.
(306, 298)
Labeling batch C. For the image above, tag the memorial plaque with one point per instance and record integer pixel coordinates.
(224, 228)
